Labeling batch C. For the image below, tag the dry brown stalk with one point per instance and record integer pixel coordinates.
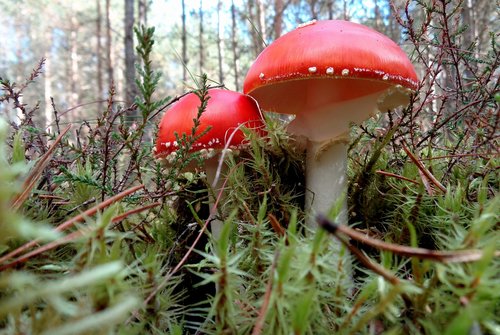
(71, 237)
(363, 259)
(389, 174)
(423, 169)
(35, 173)
(80, 217)
(259, 324)
(444, 256)
(278, 228)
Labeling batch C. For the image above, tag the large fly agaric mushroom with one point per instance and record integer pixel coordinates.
(330, 74)
(226, 112)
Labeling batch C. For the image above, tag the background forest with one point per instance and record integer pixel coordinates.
(86, 45)
(98, 237)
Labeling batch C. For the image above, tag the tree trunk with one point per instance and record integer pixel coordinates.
(220, 51)
(109, 60)
(394, 28)
(184, 43)
(74, 76)
(378, 17)
(329, 5)
(255, 32)
(143, 12)
(201, 53)
(47, 82)
(312, 6)
(130, 86)
(99, 93)
(469, 36)
(278, 18)
(234, 47)
(345, 13)
(261, 15)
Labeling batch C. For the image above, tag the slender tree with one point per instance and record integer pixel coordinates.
(99, 56)
(47, 80)
(143, 12)
(252, 19)
(220, 50)
(184, 42)
(201, 53)
(279, 7)
(109, 60)
(261, 16)
(394, 27)
(130, 85)
(345, 11)
(74, 71)
(378, 15)
(329, 6)
(312, 8)
(234, 47)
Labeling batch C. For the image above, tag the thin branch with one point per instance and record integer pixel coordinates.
(259, 324)
(72, 221)
(71, 237)
(444, 256)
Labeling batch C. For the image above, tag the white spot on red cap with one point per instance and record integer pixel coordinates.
(345, 72)
(329, 70)
(305, 24)
(261, 75)
(312, 69)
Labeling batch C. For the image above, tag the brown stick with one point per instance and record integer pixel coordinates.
(72, 221)
(445, 256)
(70, 237)
(423, 169)
(35, 173)
(259, 324)
(389, 174)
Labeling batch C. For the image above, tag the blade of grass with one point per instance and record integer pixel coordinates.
(97, 321)
(68, 284)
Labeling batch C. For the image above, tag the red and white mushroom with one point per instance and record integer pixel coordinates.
(330, 74)
(226, 113)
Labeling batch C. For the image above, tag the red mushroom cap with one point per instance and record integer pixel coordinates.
(331, 49)
(225, 113)
(327, 64)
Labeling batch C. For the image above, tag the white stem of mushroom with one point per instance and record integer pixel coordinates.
(216, 182)
(326, 179)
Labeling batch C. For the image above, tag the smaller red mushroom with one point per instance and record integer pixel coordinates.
(225, 114)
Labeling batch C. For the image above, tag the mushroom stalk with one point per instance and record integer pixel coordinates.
(326, 179)
(215, 182)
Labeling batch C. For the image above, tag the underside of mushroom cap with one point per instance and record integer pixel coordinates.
(321, 109)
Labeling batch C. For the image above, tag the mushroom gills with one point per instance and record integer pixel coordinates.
(330, 122)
